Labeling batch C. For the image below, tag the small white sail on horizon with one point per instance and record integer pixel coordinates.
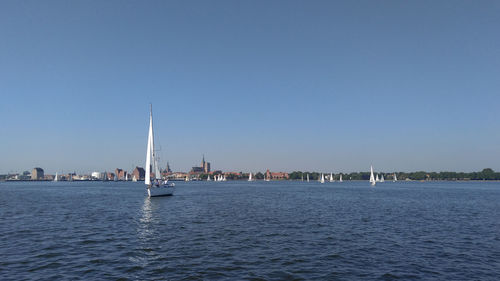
(395, 179)
(322, 180)
(331, 177)
(372, 177)
(208, 178)
(382, 178)
(55, 178)
(377, 179)
(340, 180)
(307, 177)
(250, 177)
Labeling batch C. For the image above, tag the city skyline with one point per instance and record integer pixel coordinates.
(282, 85)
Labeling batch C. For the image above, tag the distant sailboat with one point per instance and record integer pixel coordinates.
(208, 178)
(155, 186)
(322, 180)
(340, 180)
(382, 178)
(395, 179)
(126, 177)
(250, 177)
(302, 177)
(307, 177)
(372, 177)
(331, 177)
(377, 179)
(55, 178)
(187, 178)
(224, 178)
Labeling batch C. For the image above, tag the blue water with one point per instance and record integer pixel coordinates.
(257, 231)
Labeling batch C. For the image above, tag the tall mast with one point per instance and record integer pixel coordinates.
(150, 149)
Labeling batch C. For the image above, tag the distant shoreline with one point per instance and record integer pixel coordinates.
(259, 180)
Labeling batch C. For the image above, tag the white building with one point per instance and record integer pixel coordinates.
(96, 175)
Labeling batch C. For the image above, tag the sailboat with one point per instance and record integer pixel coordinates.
(224, 178)
(372, 178)
(382, 178)
(340, 180)
(187, 178)
(208, 178)
(105, 176)
(377, 179)
(322, 180)
(331, 177)
(126, 177)
(55, 178)
(155, 185)
(307, 177)
(250, 177)
(395, 179)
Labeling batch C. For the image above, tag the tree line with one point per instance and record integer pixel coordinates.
(485, 174)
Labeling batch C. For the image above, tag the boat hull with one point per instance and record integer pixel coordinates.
(166, 190)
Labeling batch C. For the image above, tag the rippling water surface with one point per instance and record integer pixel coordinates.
(257, 230)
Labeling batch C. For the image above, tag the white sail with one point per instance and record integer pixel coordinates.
(55, 178)
(395, 178)
(372, 177)
(382, 178)
(340, 180)
(307, 177)
(126, 177)
(151, 159)
(331, 177)
(149, 150)
(322, 179)
(208, 178)
(377, 179)
(250, 177)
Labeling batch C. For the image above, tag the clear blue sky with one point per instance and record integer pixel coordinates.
(285, 85)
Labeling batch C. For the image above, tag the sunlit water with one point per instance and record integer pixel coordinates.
(257, 230)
